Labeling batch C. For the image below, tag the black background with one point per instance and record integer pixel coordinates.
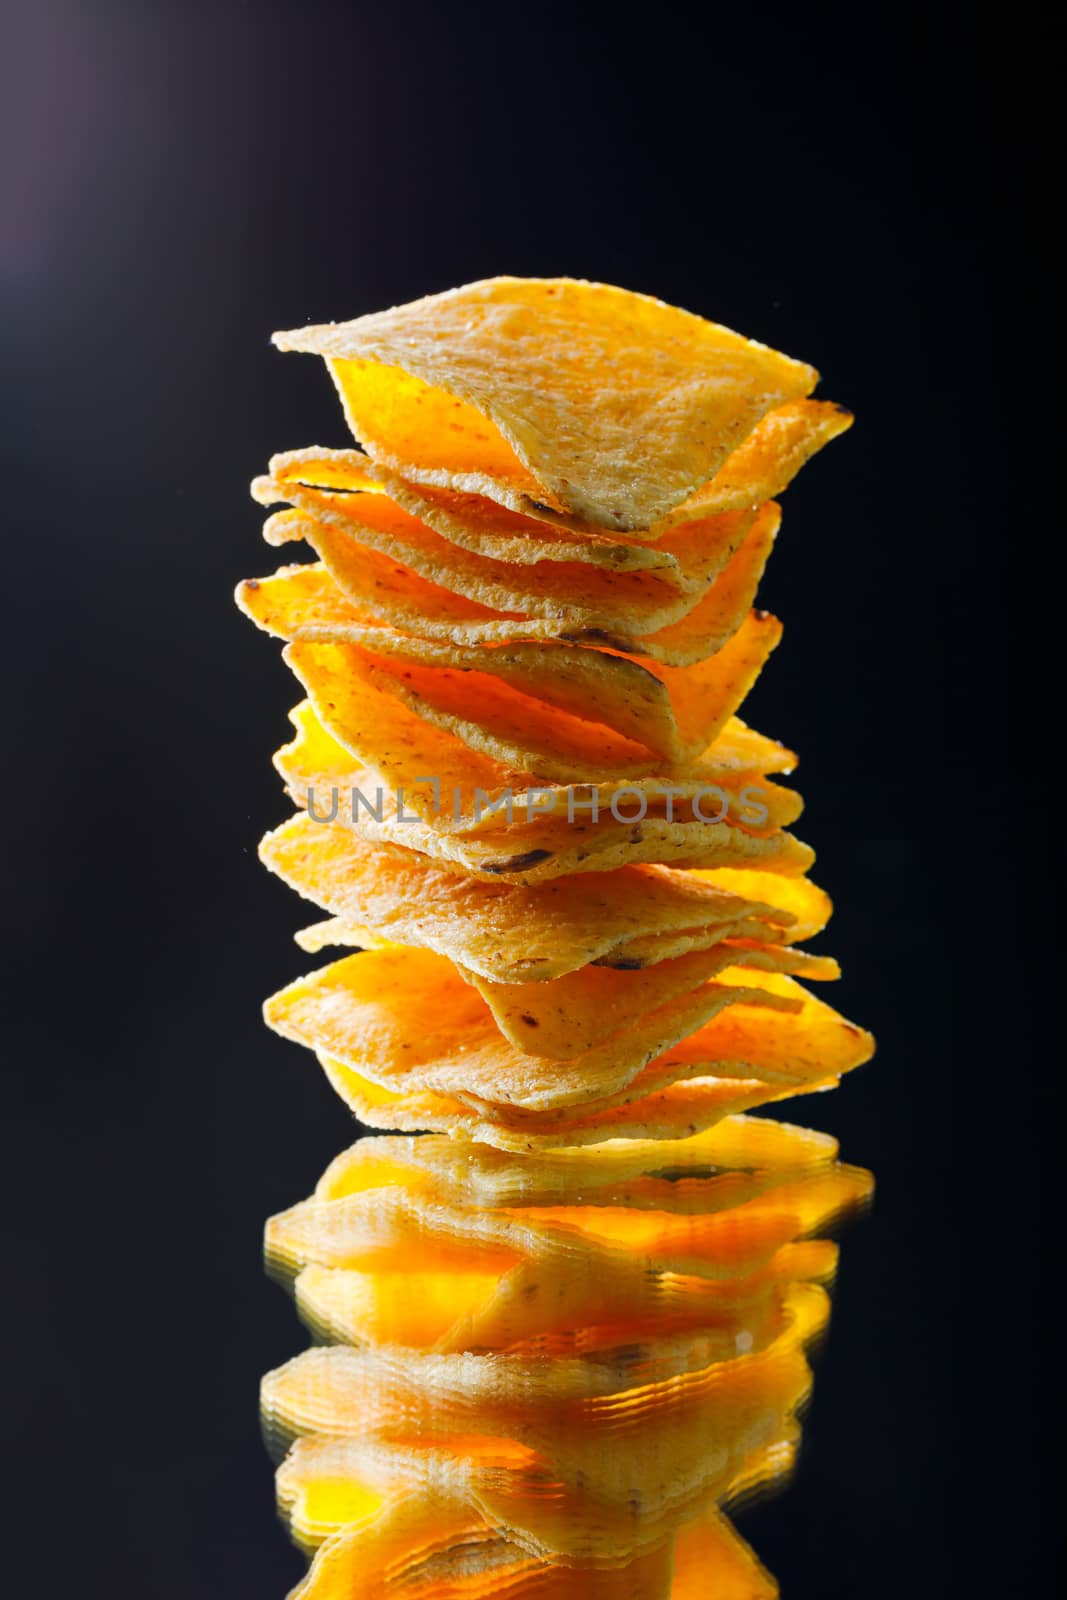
(845, 183)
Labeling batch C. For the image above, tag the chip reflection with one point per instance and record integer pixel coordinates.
(549, 1375)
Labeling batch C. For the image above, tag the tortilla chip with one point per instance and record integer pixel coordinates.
(407, 1020)
(497, 1309)
(509, 933)
(684, 1109)
(581, 397)
(593, 684)
(390, 727)
(612, 1248)
(769, 459)
(803, 1045)
(810, 906)
(363, 537)
(568, 1015)
(573, 597)
(675, 713)
(542, 840)
(758, 471)
(365, 1012)
(482, 526)
(488, 716)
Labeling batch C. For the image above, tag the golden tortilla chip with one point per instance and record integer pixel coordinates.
(593, 684)
(407, 1021)
(497, 1303)
(380, 1391)
(758, 471)
(474, 790)
(482, 526)
(685, 1108)
(768, 461)
(488, 716)
(570, 597)
(359, 582)
(579, 397)
(801, 1045)
(809, 905)
(367, 539)
(674, 713)
(542, 840)
(568, 1015)
(509, 933)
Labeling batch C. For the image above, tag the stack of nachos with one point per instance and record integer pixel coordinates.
(566, 1300)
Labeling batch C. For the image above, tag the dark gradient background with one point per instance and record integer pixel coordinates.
(181, 180)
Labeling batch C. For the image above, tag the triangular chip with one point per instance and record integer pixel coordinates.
(675, 713)
(568, 1015)
(407, 1021)
(683, 1109)
(380, 555)
(545, 836)
(587, 399)
(509, 933)
(758, 471)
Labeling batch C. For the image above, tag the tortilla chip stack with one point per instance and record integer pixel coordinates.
(566, 1301)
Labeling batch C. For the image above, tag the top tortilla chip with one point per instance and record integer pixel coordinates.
(758, 471)
(553, 394)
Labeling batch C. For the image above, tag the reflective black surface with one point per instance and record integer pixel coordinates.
(184, 179)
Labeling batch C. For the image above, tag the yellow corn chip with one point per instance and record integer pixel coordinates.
(677, 1112)
(488, 529)
(768, 460)
(366, 1010)
(509, 933)
(541, 841)
(382, 557)
(575, 396)
(673, 712)
(340, 1391)
(758, 471)
(574, 1013)
(803, 1045)
(474, 790)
